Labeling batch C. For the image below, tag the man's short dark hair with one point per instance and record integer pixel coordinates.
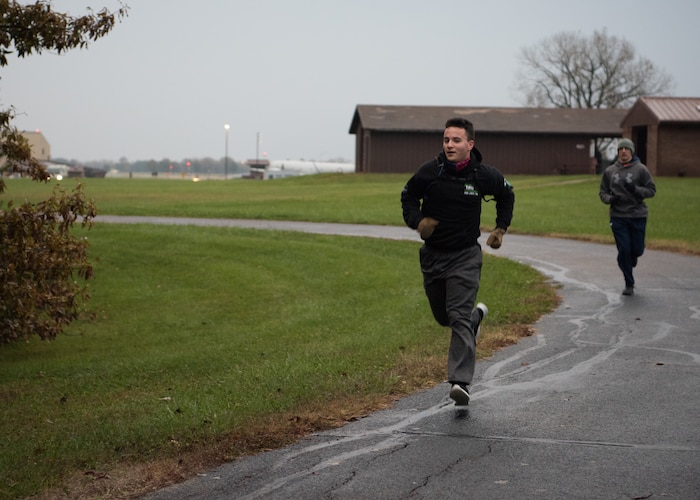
(462, 123)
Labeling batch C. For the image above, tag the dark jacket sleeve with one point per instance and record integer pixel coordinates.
(412, 194)
(492, 183)
(410, 204)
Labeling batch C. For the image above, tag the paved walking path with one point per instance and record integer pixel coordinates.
(603, 402)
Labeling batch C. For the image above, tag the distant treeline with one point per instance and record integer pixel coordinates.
(194, 166)
(187, 166)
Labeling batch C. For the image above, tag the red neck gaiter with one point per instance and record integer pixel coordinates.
(462, 164)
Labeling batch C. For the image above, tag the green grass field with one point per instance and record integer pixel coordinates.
(565, 206)
(209, 343)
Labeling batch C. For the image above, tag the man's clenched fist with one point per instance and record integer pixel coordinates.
(496, 238)
(426, 227)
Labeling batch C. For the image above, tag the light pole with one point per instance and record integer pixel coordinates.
(226, 127)
(257, 147)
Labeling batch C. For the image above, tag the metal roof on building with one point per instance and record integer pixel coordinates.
(599, 122)
(671, 109)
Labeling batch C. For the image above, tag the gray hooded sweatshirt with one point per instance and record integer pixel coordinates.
(624, 188)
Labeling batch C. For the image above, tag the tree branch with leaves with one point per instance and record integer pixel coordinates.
(39, 257)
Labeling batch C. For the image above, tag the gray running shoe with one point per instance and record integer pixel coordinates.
(460, 394)
(483, 312)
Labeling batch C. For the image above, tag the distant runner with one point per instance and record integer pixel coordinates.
(624, 186)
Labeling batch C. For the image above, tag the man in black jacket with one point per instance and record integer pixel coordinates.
(443, 202)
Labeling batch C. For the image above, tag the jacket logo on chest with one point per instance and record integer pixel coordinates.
(470, 190)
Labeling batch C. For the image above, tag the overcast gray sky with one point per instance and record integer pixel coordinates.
(164, 82)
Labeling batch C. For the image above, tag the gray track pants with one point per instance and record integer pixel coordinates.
(451, 282)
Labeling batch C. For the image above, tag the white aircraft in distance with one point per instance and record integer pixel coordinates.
(288, 168)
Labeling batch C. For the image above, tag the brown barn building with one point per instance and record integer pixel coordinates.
(516, 140)
(666, 132)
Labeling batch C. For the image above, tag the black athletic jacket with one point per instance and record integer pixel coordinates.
(454, 199)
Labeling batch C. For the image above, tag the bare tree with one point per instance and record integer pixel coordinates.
(570, 70)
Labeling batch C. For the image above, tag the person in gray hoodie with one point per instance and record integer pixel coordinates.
(624, 186)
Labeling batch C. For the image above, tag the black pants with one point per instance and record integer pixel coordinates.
(451, 282)
(629, 237)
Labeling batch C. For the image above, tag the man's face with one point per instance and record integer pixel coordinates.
(625, 155)
(456, 145)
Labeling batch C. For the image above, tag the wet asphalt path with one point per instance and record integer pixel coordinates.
(603, 402)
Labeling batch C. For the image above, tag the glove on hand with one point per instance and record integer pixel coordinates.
(426, 227)
(496, 238)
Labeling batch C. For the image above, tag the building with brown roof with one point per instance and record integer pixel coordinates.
(515, 140)
(666, 133)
